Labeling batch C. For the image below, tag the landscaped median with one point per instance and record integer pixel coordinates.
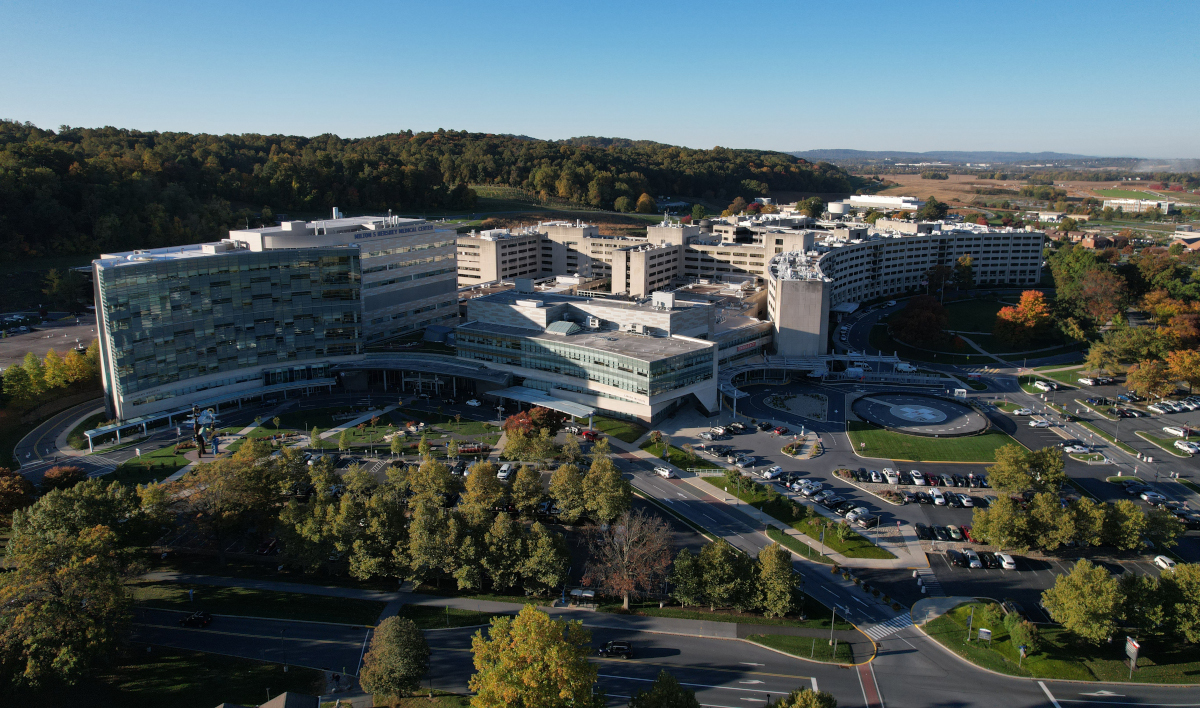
(1167, 444)
(1095, 409)
(679, 458)
(1107, 437)
(838, 538)
(888, 445)
(1060, 655)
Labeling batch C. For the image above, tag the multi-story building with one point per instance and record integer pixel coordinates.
(408, 266)
(207, 321)
(266, 309)
(628, 359)
(1137, 206)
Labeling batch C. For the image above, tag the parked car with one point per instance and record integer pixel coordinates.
(1153, 497)
(705, 435)
(891, 476)
(765, 425)
(876, 477)
(918, 479)
(1087, 381)
(1156, 408)
(199, 618)
(973, 560)
(833, 502)
(924, 498)
(923, 532)
(1188, 447)
(1173, 430)
(617, 648)
(941, 533)
(782, 430)
(1164, 562)
(955, 533)
(989, 559)
(1042, 385)
(772, 472)
(505, 472)
(474, 403)
(1023, 411)
(1007, 562)
(966, 501)
(953, 500)
(939, 499)
(956, 559)
(845, 508)
(1011, 607)
(867, 521)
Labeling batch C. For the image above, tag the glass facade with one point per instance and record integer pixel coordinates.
(604, 367)
(173, 319)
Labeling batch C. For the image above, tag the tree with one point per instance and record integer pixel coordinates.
(964, 272)
(665, 692)
(431, 546)
(62, 477)
(1085, 601)
(1163, 529)
(805, 698)
(547, 560)
(236, 493)
(37, 373)
(78, 368)
(687, 579)
(606, 493)
(646, 204)
(547, 419)
(1017, 470)
(452, 449)
(1141, 601)
(1025, 633)
(315, 440)
(630, 556)
(431, 483)
(812, 207)
(504, 552)
(533, 661)
(398, 658)
(55, 371)
(566, 488)
(623, 204)
(425, 448)
(527, 490)
(777, 581)
(720, 566)
(16, 492)
(1001, 525)
(933, 210)
(572, 453)
(64, 608)
(1124, 525)
(1180, 594)
(1050, 527)
(482, 494)
(1025, 322)
(923, 319)
(397, 444)
(1102, 295)
(18, 388)
(1150, 378)
(698, 212)
(73, 510)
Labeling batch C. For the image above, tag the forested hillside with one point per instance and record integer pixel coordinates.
(81, 191)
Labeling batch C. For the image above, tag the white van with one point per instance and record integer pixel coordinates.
(906, 368)
(504, 473)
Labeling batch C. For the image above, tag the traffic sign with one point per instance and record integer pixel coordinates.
(985, 634)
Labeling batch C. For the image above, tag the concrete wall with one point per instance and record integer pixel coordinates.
(800, 312)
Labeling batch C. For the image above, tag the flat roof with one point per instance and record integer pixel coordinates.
(636, 346)
(548, 298)
(545, 400)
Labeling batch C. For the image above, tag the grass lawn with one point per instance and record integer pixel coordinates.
(1167, 444)
(76, 439)
(1062, 658)
(797, 545)
(1006, 406)
(886, 444)
(447, 700)
(679, 458)
(881, 340)
(430, 617)
(1127, 194)
(973, 315)
(812, 648)
(443, 422)
(624, 430)
(153, 466)
(1190, 485)
(796, 515)
(809, 607)
(1093, 457)
(974, 385)
(450, 589)
(257, 603)
(1107, 437)
(177, 678)
(1028, 381)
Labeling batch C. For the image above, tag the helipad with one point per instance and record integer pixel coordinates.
(920, 414)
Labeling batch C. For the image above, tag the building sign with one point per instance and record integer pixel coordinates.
(393, 232)
(748, 345)
(985, 634)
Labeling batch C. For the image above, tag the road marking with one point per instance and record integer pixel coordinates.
(1049, 695)
(750, 663)
(1104, 693)
(858, 601)
(752, 681)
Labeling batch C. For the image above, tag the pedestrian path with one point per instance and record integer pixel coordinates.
(929, 581)
(895, 624)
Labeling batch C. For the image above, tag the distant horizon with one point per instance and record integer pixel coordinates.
(1100, 78)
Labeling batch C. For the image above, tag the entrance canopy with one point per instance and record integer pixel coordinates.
(545, 400)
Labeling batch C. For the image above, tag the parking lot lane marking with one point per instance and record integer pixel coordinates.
(1049, 695)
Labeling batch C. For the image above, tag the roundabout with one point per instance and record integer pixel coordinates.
(919, 414)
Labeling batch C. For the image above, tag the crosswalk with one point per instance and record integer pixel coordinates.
(892, 626)
(981, 369)
(932, 587)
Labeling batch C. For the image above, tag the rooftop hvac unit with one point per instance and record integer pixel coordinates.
(594, 322)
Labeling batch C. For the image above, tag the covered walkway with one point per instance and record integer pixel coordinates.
(545, 400)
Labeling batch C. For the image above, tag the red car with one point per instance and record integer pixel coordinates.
(781, 430)
(590, 435)
(967, 534)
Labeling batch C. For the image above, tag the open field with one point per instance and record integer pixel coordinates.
(812, 648)
(1126, 194)
(886, 444)
(255, 603)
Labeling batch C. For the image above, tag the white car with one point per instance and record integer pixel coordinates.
(1039, 424)
(891, 475)
(1042, 385)
(1023, 411)
(891, 303)
(772, 472)
(474, 403)
(1006, 561)
(1164, 562)
(1172, 430)
(1188, 447)
(1156, 408)
(1076, 449)
(855, 513)
(1153, 497)
(664, 472)
(938, 498)
(966, 500)
(705, 435)
(1087, 381)
(917, 478)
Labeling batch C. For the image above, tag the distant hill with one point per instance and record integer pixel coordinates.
(861, 156)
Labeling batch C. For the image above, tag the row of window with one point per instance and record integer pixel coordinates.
(407, 249)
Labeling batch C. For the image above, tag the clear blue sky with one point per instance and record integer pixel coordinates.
(1101, 78)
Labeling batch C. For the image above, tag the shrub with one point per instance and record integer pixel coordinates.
(896, 606)
(62, 477)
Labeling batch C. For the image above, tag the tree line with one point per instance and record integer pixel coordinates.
(38, 380)
(1032, 510)
(86, 190)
